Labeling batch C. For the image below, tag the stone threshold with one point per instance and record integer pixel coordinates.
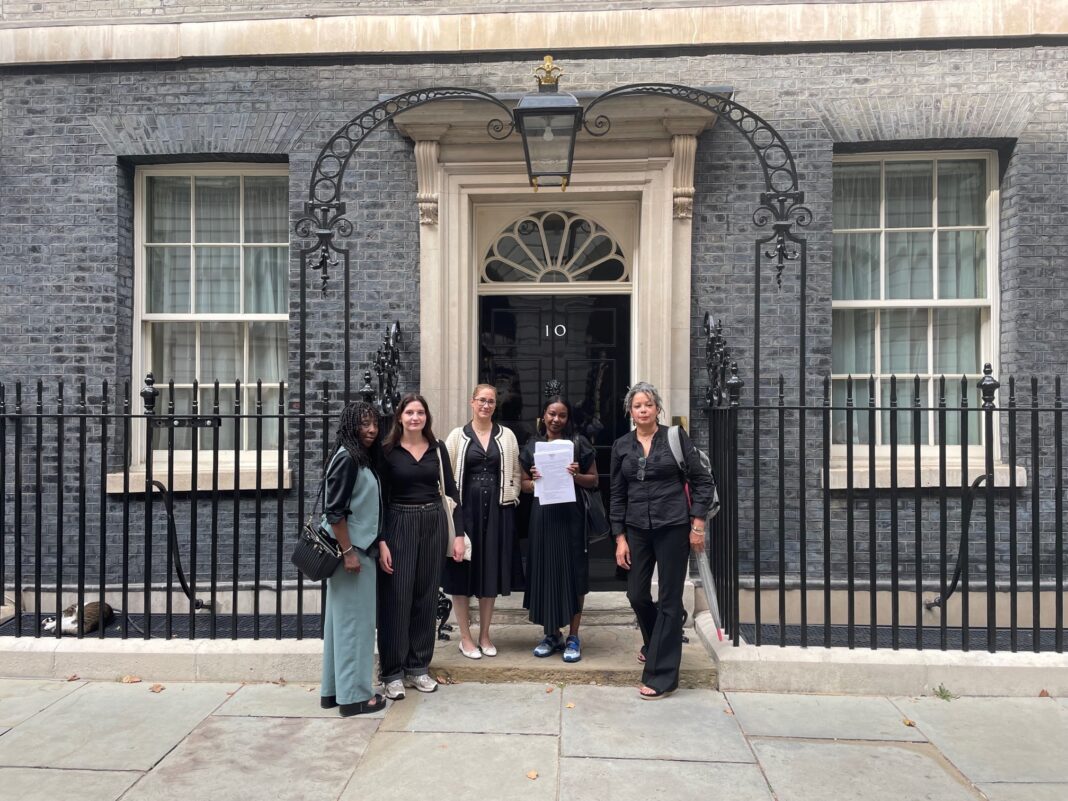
(770, 668)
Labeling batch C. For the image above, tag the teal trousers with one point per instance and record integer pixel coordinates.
(349, 633)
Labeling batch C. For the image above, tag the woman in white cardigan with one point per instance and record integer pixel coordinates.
(485, 463)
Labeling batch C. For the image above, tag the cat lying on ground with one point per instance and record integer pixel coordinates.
(92, 618)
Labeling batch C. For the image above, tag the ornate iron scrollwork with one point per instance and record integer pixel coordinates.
(717, 361)
(782, 202)
(323, 211)
(387, 368)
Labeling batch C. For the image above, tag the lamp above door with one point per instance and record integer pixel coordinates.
(548, 121)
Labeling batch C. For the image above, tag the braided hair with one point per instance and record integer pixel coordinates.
(348, 431)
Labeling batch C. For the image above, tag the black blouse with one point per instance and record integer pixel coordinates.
(659, 498)
(416, 482)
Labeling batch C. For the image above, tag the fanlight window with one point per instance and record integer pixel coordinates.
(554, 247)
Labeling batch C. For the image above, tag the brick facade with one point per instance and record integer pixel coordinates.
(71, 136)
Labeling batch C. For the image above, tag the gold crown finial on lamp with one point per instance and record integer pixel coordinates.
(547, 73)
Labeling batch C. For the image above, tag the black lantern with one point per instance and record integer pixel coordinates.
(548, 120)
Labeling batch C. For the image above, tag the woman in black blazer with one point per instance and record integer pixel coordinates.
(655, 525)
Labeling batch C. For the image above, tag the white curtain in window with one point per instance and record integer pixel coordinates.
(853, 349)
(167, 209)
(218, 208)
(217, 280)
(266, 280)
(266, 208)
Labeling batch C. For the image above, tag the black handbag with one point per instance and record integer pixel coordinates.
(597, 525)
(317, 554)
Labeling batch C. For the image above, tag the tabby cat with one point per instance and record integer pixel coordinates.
(92, 618)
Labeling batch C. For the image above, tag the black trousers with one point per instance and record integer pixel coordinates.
(408, 599)
(667, 549)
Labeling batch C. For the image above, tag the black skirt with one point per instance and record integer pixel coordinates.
(495, 567)
(557, 565)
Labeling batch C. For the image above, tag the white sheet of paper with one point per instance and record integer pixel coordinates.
(556, 485)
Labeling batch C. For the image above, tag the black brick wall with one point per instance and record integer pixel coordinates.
(70, 138)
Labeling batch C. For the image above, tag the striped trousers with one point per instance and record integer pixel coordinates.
(408, 599)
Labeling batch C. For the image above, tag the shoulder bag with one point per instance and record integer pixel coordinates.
(317, 554)
(449, 505)
(596, 521)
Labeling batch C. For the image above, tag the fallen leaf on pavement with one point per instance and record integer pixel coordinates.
(728, 712)
(549, 689)
(130, 679)
(909, 722)
(156, 688)
(280, 682)
(73, 677)
(532, 774)
(570, 706)
(1044, 694)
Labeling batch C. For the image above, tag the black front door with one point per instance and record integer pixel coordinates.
(583, 342)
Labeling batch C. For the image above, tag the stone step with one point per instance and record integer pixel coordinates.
(601, 609)
(609, 657)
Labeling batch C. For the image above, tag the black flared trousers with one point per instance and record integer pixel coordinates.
(668, 550)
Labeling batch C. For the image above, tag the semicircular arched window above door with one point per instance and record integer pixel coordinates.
(558, 247)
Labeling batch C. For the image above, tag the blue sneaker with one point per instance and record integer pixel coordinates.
(573, 649)
(550, 644)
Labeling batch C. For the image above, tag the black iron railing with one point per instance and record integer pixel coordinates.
(950, 535)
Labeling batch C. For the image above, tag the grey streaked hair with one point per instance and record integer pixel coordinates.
(643, 387)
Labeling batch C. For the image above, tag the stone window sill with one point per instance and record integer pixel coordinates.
(271, 478)
(906, 475)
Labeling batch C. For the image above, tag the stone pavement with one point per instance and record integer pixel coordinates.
(98, 741)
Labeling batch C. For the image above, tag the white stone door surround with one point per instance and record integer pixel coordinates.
(654, 170)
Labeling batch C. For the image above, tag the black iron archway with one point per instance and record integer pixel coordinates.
(780, 207)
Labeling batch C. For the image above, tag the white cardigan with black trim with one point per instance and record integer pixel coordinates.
(456, 443)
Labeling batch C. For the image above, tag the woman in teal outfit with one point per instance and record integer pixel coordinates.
(352, 507)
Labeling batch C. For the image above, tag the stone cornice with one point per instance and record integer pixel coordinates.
(394, 34)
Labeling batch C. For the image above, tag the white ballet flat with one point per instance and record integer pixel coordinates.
(475, 654)
(490, 651)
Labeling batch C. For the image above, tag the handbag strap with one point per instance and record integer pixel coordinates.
(320, 492)
(441, 473)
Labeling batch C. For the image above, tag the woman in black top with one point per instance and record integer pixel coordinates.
(557, 564)
(654, 523)
(412, 546)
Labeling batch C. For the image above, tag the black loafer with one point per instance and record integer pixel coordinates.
(327, 701)
(363, 707)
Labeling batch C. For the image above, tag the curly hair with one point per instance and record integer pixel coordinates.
(348, 430)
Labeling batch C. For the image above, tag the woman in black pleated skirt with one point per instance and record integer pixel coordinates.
(557, 563)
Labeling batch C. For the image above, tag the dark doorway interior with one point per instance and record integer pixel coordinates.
(582, 341)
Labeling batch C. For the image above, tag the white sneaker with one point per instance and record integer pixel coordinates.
(423, 683)
(394, 690)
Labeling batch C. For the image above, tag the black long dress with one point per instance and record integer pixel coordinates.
(496, 565)
(558, 574)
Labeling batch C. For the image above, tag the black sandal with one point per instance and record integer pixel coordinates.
(327, 701)
(363, 707)
(655, 695)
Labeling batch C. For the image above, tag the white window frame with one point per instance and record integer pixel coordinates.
(142, 356)
(990, 333)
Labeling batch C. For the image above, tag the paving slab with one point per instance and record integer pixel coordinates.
(280, 701)
(259, 759)
(821, 717)
(694, 725)
(37, 784)
(456, 767)
(584, 779)
(480, 708)
(21, 699)
(111, 726)
(1025, 792)
(1029, 746)
(820, 771)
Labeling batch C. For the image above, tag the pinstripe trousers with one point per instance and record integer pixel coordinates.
(408, 599)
